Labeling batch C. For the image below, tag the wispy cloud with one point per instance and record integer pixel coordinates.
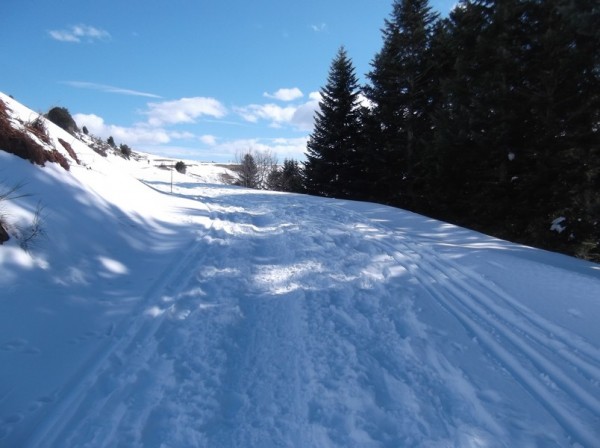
(285, 94)
(319, 28)
(109, 89)
(79, 33)
(184, 110)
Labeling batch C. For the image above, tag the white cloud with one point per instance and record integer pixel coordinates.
(181, 135)
(109, 89)
(319, 28)
(285, 94)
(315, 96)
(184, 110)
(210, 140)
(77, 33)
(139, 134)
(304, 115)
(273, 113)
(299, 116)
(281, 147)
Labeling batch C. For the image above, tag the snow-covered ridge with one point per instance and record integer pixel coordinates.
(218, 316)
(82, 145)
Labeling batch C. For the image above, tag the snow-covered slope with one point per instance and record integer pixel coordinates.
(216, 316)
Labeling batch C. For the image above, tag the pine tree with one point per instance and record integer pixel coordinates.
(401, 90)
(479, 121)
(287, 178)
(334, 162)
(247, 172)
(291, 176)
(517, 123)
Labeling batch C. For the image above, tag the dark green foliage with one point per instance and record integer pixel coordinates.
(111, 141)
(287, 178)
(3, 233)
(61, 117)
(517, 129)
(401, 90)
(85, 130)
(334, 159)
(489, 118)
(180, 167)
(247, 172)
(125, 150)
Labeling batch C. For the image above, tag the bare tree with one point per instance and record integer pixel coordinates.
(254, 167)
(266, 162)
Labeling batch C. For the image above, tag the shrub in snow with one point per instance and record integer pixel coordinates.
(61, 117)
(34, 232)
(70, 150)
(180, 167)
(26, 236)
(22, 144)
(125, 150)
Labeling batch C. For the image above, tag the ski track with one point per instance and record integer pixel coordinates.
(92, 394)
(249, 340)
(522, 342)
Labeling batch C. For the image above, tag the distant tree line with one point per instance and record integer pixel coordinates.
(488, 118)
(260, 170)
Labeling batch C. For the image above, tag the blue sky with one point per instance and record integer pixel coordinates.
(193, 79)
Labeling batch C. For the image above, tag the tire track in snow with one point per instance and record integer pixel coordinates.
(99, 383)
(493, 316)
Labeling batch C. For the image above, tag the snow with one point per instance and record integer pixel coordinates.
(557, 225)
(215, 316)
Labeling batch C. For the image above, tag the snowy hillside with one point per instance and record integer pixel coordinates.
(215, 316)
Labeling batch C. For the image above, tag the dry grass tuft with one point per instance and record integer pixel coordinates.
(21, 144)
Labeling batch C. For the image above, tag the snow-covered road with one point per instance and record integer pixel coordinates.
(291, 321)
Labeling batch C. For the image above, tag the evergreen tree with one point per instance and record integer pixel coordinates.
(292, 176)
(401, 90)
(247, 172)
(516, 126)
(334, 162)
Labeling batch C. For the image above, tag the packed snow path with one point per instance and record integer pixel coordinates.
(293, 321)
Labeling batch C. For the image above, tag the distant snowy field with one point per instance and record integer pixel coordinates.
(215, 316)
